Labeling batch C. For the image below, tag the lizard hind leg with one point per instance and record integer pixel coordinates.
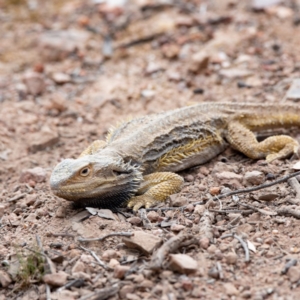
(274, 147)
(93, 148)
(156, 188)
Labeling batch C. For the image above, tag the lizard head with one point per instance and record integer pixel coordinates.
(97, 181)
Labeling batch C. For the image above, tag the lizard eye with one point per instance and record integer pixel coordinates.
(85, 171)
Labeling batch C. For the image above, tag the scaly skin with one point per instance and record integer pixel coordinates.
(136, 164)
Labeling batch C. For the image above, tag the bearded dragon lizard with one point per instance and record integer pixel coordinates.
(136, 164)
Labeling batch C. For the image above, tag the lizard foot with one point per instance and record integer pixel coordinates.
(142, 200)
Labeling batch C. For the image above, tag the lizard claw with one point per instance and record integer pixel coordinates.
(139, 201)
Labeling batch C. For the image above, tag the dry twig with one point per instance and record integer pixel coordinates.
(293, 182)
(206, 225)
(288, 212)
(168, 247)
(146, 222)
(99, 261)
(106, 236)
(244, 245)
(103, 294)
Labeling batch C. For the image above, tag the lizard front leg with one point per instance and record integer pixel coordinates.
(274, 147)
(155, 188)
(93, 148)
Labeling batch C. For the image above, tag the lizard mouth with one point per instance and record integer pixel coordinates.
(111, 199)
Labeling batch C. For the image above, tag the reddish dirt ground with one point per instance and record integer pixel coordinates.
(69, 70)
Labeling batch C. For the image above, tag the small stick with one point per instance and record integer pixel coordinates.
(219, 267)
(262, 211)
(206, 225)
(102, 294)
(168, 247)
(234, 211)
(290, 263)
(146, 222)
(244, 245)
(293, 182)
(17, 197)
(288, 212)
(100, 262)
(62, 234)
(75, 282)
(106, 236)
(48, 292)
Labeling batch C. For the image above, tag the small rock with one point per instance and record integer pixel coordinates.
(61, 78)
(204, 242)
(187, 284)
(215, 190)
(120, 271)
(230, 289)
(235, 73)
(226, 175)
(125, 290)
(146, 284)
(4, 279)
(231, 258)
(189, 178)
(113, 263)
(30, 199)
(170, 50)
(78, 267)
(136, 221)
(262, 4)
(143, 241)
(107, 255)
(212, 249)
(57, 45)
(177, 227)
(294, 274)
(244, 228)
(199, 62)
(56, 279)
(81, 275)
(60, 212)
(34, 82)
(36, 174)
(41, 140)
(183, 263)
(177, 200)
(190, 208)
(153, 216)
(253, 178)
(199, 209)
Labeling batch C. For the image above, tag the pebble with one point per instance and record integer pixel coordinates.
(36, 174)
(226, 175)
(60, 212)
(4, 279)
(231, 258)
(78, 267)
(136, 221)
(177, 227)
(204, 242)
(183, 263)
(143, 241)
(146, 284)
(215, 190)
(125, 290)
(42, 140)
(30, 199)
(61, 78)
(107, 255)
(189, 178)
(199, 61)
(253, 178)
(120, 271)
(212, 249)
(187, 284)
(177, 200)
(34, 82)
(56, 279)
(153, 216)
(293, 274)
(113, 263)
(199, 209)
(57, 45)
(190, 208)
(230, 289)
